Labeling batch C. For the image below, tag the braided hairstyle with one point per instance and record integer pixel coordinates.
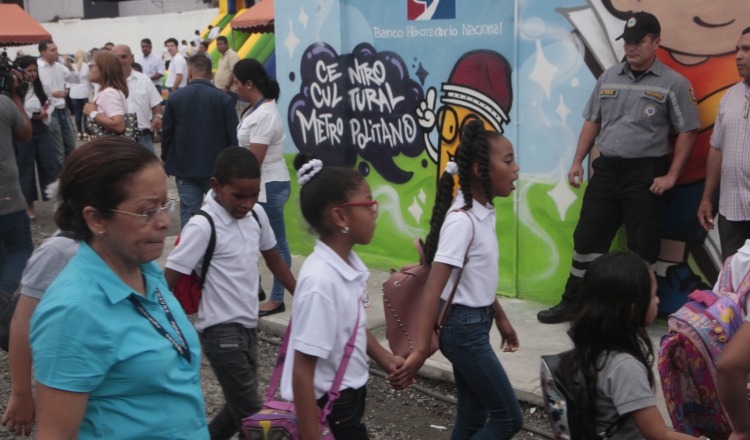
(474, 148)
(323, 189)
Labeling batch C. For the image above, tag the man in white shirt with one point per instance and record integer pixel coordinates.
(197, 39)
(224, 79)
(143, 99)
(213, 32)
(153, 66)
(178, 68)
(54, 75)
(166, 56)
(184, 49)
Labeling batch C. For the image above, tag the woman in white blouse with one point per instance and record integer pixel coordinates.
(261, 130)
(79, 93)
(39, 153)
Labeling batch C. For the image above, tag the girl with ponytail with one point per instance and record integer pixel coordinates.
(486, 169)
(261, 130)
(330, 303)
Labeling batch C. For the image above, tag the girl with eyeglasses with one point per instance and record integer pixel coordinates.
(330, 303)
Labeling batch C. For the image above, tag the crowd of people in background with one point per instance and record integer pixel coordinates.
(96, 320)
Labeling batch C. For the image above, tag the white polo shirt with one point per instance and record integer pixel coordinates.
(326, 301)
(54, 78)
(230, 292)
(142, 97)
(478, 284)
(151, 66)
(178, 65)
(265, 126)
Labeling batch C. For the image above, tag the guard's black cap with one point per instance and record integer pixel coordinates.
(639, 25)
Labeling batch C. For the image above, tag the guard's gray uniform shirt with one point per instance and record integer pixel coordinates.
(637, 114)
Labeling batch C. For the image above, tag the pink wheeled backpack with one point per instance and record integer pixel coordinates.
(698, 333)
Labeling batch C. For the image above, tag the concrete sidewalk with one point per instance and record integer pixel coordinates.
(521, 366)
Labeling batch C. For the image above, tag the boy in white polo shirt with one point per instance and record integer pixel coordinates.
(228, 311)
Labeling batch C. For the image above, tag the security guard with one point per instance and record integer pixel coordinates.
(628, 117)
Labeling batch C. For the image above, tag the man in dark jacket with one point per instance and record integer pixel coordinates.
(199, 121)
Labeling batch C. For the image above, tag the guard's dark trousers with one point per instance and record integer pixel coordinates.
(618, 193)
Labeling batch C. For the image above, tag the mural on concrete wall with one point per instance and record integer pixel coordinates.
(386, 88)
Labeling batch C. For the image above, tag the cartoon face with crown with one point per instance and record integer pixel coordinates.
(479, 87)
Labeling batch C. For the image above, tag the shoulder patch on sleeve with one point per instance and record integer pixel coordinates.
(691, 93)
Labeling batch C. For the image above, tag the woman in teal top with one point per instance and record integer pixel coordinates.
(114, 354)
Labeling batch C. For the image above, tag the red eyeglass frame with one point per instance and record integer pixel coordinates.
(369, 204)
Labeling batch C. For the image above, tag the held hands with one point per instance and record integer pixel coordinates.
(705, 215)
(509, 337)
(575, 176)
(403, 377)
(20, 415)
(662, 184)
(88, 108)
(391, 366)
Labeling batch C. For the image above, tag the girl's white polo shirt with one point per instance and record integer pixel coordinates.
(326, 300)
(479, 280)
(230, 293)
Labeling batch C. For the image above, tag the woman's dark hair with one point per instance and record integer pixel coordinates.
(236, 163)
(329, 187)
(474, 148)
(251, 69)
(26, 61)
(614, 299)
(97, 174)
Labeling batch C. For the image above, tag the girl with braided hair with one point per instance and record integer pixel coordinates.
(465, 226)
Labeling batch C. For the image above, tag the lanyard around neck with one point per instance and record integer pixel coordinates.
(181, 347)
(255, 107)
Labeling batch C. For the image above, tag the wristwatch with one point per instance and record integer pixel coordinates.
(158, 115)
(93, 114)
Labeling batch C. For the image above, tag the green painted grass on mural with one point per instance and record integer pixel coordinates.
(404, 215)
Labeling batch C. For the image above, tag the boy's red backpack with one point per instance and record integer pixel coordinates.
(698, 333)
(189, 288)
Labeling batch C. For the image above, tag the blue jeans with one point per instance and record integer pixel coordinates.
(38, 155)
(147, 140)
(16, 247)
(191, 191)
(482, 387)
(78, 105)
(277, 194)
(232, 351)
(62, 134)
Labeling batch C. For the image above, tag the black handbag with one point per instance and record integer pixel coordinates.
(131, 128)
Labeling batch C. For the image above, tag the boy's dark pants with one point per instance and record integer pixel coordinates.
(232, 351)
